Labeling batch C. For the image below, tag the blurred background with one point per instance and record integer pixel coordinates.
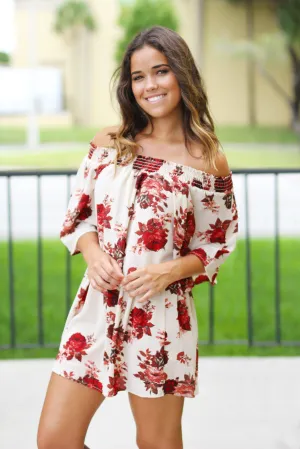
(56, 61)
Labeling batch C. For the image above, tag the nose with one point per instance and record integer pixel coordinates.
(151, 84)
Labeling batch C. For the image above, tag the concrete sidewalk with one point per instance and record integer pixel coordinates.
(244, 403)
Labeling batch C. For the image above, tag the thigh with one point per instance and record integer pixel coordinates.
(66, 414)
(158, 420)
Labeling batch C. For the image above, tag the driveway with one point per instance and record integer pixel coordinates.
(243, 403)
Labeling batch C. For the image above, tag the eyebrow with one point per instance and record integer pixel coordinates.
(154, 67)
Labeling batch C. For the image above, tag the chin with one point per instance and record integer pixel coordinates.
(161, 113)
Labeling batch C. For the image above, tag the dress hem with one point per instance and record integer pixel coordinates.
(92, 387)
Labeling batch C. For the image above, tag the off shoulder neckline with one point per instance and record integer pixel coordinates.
(140, 157)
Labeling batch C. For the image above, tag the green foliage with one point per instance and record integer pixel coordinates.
(4, 58)
(143, 14)
(74, 13)
(288, 13)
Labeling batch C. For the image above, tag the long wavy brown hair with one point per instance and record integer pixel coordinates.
(198, 124)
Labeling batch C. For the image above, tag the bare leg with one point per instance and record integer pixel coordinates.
(67, 412)
(158, 421)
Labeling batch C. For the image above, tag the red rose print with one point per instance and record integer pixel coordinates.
(186, 390)
(82, 297)
(103, 217)
(201, 254)
(151, 192)
(153, 235)
(139, 317)
(218, 236)
(155, 375)
(117, 383)
(99, 170)
(183, 315)
(221, 252)
(140, 321)
(93, 383)
(186, 387)
(201, 278)
(84, 207)
(76, 347)
(77, 342)
(139, 180)
(111, 297)
(169, 386)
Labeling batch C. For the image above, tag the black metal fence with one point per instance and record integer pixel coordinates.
(211, 334)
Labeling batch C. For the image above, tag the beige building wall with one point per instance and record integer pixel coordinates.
(271, 108)
(226, 76)
(88, 63)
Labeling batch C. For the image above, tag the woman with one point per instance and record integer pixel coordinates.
(153, 213)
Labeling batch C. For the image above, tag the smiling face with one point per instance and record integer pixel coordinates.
(154, 84)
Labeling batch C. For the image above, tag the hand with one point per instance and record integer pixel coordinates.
(104, 272)
(150, 280)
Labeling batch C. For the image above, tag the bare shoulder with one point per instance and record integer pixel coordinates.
(102, 137)
(222, 167)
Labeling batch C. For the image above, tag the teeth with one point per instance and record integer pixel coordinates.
(153, 99)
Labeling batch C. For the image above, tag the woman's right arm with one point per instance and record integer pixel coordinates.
(79, 230)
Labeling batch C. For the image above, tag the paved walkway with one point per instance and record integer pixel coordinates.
(244, 403)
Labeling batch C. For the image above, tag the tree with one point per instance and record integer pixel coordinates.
(142, 14)
(4, 58)
(288, 16)
(72, 15)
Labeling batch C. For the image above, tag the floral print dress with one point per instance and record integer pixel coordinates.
(148, 212)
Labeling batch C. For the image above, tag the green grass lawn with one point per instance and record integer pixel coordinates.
(67, 159)
(12, 135)
(257, 134)
(260, 134)
(230, 297)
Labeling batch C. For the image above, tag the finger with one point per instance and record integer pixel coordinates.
(146, 297)
(117, 269)
(138, 292)
(110, 283)
(96, 286)
(109, 273)
(134, 285)
(102, 283)
(132, 276)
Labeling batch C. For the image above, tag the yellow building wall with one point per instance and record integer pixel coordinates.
(271, 108)
(226, 76)
(88, 63)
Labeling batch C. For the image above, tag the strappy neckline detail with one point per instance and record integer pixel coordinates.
(179, 165)
(158, 161)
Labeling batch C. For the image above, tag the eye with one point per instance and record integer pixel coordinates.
(136, 78)
(163, 71)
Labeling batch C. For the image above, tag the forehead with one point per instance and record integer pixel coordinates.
(147, 57)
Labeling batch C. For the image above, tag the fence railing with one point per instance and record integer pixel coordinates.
(242, 178)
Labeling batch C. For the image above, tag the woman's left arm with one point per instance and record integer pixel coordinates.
(216, 225)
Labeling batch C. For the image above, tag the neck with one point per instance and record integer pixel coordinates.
(166, 129)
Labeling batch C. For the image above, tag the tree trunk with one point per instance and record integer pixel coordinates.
(251, 65)
(295, 103)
